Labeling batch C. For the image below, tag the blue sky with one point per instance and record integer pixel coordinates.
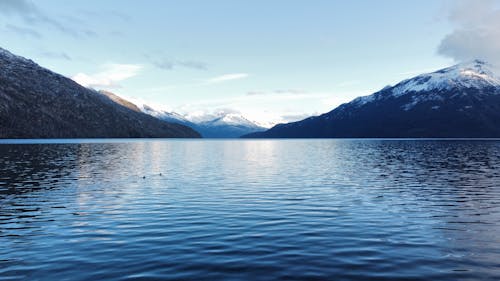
(271, 60)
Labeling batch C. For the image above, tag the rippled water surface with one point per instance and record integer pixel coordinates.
(250, 210)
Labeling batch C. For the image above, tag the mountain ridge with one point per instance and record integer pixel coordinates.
(458, 101)
(220, 124)
(36, 102)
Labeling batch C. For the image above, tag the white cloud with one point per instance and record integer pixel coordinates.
(228, 77)
(168, 64)
(277, 92)
(109, 77)
(476, 33)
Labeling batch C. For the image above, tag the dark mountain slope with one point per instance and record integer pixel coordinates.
(38, 103)
(460, 101)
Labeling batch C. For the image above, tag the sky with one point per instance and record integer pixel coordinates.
(271, 60)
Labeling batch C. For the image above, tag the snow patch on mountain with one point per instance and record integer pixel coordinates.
(416, 99)
(474, 74)
(220, 123)
(360, 101)
(232, 119)
(162, 113)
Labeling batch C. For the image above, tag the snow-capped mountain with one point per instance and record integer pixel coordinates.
(458, 101)
(224, 124)
(226, 118)
(475, 74)
(38, 103)
(219, 124)
(163, 114)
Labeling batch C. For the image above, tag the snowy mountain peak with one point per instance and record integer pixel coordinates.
(224, 123)
(478, 69)
(233, 119)
(160, 112)
(472, 74)
(475, 74)
(461, 101)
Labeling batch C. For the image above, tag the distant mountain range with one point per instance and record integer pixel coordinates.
(38, 103)
(455, 102)
(221, 124)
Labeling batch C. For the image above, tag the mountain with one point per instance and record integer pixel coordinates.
(226, 125)
(38, 103)
(222, 124)
(163, 114)
(459, 101)
(121, 101)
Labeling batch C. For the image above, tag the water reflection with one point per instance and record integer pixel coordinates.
(265, 210)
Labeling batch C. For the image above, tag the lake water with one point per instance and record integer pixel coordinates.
(250, 210)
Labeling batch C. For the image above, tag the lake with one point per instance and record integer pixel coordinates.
(250, 210)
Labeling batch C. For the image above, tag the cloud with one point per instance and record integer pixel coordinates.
(167, 64)
(228, 77)
(202, 115)
(35, 17)
(109, 77)
(25, 31)
(55, 55)
(256, 93)
(106, 14)
(277, 92)
(476, 31)
(349, 83)
(287, 118)
(11, 7)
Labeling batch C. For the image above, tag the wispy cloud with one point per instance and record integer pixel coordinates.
(163, 62)
(106, 14)
(277, 92)
(55, 55)
(33, 16)
(109, 77)
(228, 77)
(417, 71)
(296, 117)
(476, 31)
(348, 83)
(264, 99)
(23, 7)
(25, 31)
(168, 64)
